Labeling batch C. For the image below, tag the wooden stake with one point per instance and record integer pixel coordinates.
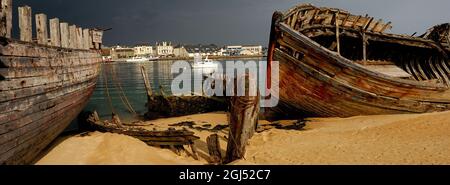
(91, 42)
(86, 39)
(214, 149)
(72, 36)
(25, 24)
(65, 36)
(5, 18)
(80, 38)
(55, 32)
(41, 29)
(243, 119)
(146, 82)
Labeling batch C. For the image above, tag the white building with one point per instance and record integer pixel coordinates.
(164, 49)
(143, 50)
(234, 48)
(252, 50)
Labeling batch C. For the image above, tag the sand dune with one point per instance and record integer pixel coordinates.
(385, 139)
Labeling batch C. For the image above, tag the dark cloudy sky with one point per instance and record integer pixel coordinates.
(220, 21)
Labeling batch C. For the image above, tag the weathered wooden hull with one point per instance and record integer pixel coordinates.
(42, 89)
(316, 81)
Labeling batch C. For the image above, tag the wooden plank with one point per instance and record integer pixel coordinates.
(80, 38)
(16, 96)
(364, 42)
(86, 39)
(5, 18)
(25, 24)
(41, 29)
(65, 36)
(377, 25)
(34, 71)
(31, 106)
(386, 27)
(338, 40)
(55, 32)
(91, 39)
(11, 84)
(73, 36)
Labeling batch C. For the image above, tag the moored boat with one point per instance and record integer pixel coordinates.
(336, 64)
(44, 84)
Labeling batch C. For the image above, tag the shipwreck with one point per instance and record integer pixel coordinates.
(44, 82)
(336, 64)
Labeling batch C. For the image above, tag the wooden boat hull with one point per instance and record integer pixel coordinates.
(42, 89)
(315, 81)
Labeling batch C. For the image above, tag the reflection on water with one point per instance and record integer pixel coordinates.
(126, 79)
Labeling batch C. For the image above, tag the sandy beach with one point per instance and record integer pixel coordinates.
(384, 139)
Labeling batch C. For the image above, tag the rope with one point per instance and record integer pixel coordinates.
(105, 80)
(122, 95)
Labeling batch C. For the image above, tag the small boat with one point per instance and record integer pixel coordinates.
(152, 58)
(207, 63)
(336, 64)
(138, 59)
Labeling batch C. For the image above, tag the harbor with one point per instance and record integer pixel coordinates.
(330, 87)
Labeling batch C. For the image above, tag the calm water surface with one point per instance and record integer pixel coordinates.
(122, 77)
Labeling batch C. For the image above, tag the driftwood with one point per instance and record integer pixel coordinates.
(170, 137)
(243, 120)
(160, 106)
(163, 106)
(214, 149)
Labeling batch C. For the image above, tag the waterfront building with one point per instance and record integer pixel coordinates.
(180, 52)
(119, 52)
(143, 50)
(233, 50)
(252, 50)
(164, 49)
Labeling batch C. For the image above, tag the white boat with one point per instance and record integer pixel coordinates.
(207, 63)
(138, 59)
(153, 58)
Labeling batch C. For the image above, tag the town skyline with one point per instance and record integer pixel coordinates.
(219, 22)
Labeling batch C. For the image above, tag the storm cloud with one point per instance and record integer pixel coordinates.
(220, 21)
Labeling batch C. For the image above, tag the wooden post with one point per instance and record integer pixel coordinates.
(214, 149)
(5, 18)
(147, 85)
(65, 36)
(91, 37)
(25, 24)
(72, 36)
(243, 120)
(86, 35)
(41, 29)
(80, 38)
(337, 34)
(55, 32)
